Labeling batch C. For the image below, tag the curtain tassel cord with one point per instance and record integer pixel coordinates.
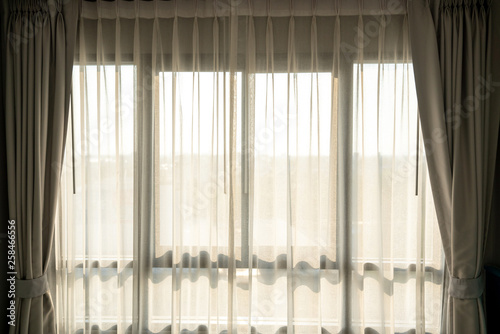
(417, 155)
(72, 141)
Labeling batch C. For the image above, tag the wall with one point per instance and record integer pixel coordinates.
(493, 244)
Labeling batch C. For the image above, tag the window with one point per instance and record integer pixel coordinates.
(262, 199)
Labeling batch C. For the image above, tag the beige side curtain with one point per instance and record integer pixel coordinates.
(451, 53)
(38, 79)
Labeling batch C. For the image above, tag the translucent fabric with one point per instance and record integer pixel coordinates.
(245, 173)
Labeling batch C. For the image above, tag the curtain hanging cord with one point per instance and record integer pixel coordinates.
(72, 140)
(417, 156)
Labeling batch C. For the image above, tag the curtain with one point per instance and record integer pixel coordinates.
(451, 46)
(39, 58)
(245, 167)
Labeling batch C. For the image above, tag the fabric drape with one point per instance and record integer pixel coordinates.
(451, 47)
(245, 167)
(38, 79)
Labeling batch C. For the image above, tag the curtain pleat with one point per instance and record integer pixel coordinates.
(39, 57)
(247, 168)
(460, 132)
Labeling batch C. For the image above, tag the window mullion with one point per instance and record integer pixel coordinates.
(244, 171)
(345, 187)
(144, 190)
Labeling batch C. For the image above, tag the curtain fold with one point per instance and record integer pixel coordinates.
(451, 44)
(248, 168)
(39, 61)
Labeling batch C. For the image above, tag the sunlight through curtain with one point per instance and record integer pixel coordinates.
(246, 167)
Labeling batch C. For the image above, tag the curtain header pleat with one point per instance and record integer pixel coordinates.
(39, 7)
(212, 8)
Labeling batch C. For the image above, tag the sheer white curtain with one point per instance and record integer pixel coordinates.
(249, 167)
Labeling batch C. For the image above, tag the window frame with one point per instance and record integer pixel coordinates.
(343, 263)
